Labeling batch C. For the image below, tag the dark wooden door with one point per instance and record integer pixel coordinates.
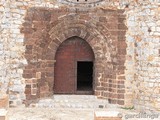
(69, 52)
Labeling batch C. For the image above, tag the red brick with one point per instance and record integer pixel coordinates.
(122, 51)
(120, 96)
(120, 102)
(28, 91)
(121, 91)
(27, 75)
(102, 19)
(122, 27)
(37, 42)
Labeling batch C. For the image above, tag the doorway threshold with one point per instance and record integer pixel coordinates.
(79, 92)
(72, 101)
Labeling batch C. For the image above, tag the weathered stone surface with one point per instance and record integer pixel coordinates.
(54, 33)
(107, 115)
(137, 24)
(4, 101)
(3, 114)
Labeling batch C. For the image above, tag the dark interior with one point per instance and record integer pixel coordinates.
(84, 76)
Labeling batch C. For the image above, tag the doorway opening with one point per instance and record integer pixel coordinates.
(68, 72)
(85, 76)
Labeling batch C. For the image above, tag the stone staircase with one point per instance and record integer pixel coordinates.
(71, 101)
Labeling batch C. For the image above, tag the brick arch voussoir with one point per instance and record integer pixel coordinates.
(70, 32)
(82, 29)
(92, 35)
(94, 26)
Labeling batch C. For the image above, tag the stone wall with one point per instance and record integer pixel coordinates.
(142, 86)
(145, 19)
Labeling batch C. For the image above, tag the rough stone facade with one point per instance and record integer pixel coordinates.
(124, 36)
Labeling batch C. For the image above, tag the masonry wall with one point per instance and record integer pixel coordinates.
(45, 30)
(142, 86)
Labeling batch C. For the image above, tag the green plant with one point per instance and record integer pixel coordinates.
(128, 108)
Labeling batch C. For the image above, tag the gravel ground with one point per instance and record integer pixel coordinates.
(72, 114)
(50, 114)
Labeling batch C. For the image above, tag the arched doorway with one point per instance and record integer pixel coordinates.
(74, 67)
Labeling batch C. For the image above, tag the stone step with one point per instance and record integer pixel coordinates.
(107, 115)
(74, 97)
(71, 101)
(3, 114)
(4, 102)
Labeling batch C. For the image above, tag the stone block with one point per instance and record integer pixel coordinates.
(4, 101)
(3, 114)
(107, 115)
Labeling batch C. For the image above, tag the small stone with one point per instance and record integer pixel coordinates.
(1, 8)
(158, 29)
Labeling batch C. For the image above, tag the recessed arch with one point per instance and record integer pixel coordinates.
(92, 36)
(95, 38)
